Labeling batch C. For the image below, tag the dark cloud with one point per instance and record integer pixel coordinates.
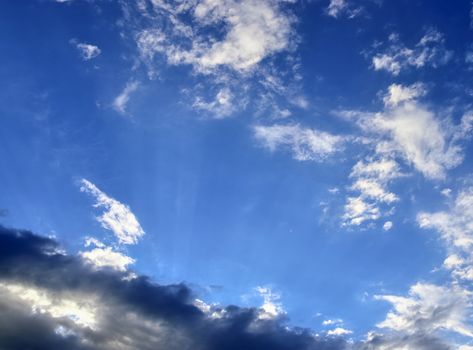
(49, 300)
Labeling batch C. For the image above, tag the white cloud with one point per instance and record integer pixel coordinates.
(221, 107)
(80, 311)
(254, 30)
(120, 102)
(272, 307)
(337, 321)
(336, 8)
(304, 143)
(91, 241)
(397, 93)
(106, 257)
(405, 130)
(429, 308)
(419, 136)
(456, 224)
(387, 225)
(456, 229)
(339, 331)
(232, 44)
(116, 216)
(88, 51)
(371, 179)
(446, 192)
(429, 51)
(357, 210)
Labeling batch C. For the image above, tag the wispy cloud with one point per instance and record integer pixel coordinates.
(371, 179)
(429, 308)
(429, 51)
(88, 51)
(422, 137)
(337, 8)
(406, 133)
(231, 47)
(116, 217)
(455, 227)
(254, 30)
(120, 102)
(304, 143)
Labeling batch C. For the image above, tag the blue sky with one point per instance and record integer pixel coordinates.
(310, 159)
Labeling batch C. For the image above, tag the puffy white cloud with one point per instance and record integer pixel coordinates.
(101, 257)
(405, 131)
(88, 51)
(387, 225)
(116, 217)
(304, 143)
(229, 44)
(429, 51)
(429, 308)
(120, 102)
(453, 261)
(254, 29)
(398, 93)
(424, 140)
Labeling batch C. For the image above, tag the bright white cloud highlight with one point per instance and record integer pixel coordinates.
(398, 93)
(107, 257)
(116, 217)
(423, 139)
(304, 143)
(387, 225)
(272, 307)
(429, 308)
(339, 331)
(80, 311)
